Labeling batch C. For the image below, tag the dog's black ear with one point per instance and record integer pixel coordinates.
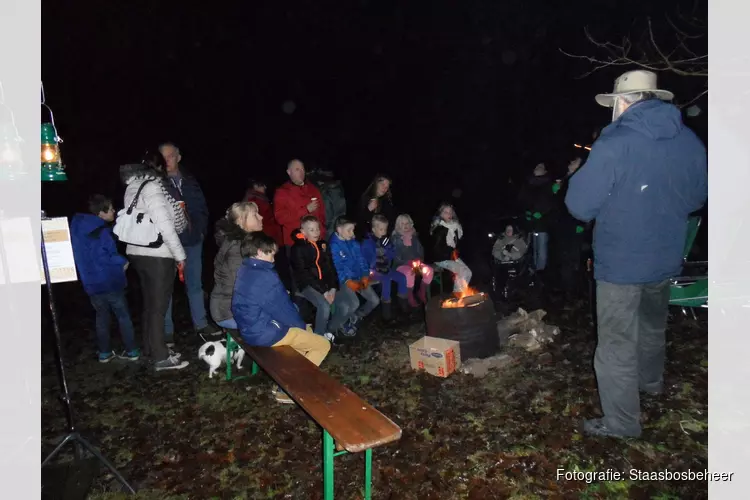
(223, 341)
(210, 350)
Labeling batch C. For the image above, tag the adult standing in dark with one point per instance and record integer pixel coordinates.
(568, 234)
(292, 201)
(645, 174)
(537, 198)
(376, 200)
(185, 189)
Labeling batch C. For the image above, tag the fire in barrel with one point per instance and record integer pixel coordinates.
(467, 317)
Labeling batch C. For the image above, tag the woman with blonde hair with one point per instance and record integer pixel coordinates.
(240, 220)
(410, 258)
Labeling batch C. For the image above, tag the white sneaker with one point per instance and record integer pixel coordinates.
(330, 337)
(171, 363)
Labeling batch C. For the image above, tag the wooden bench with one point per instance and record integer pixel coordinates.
(350, 424)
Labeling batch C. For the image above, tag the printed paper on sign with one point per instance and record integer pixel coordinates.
(62, 265)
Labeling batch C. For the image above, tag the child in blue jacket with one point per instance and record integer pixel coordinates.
(264, 313)
(102, 272)
(351, 268)
(379, 252)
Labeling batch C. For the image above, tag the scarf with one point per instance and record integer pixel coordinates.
(407, 236)
(455, 233)
(179, 213)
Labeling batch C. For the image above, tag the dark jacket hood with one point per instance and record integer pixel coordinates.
(297, 236)
(226, 230)
(654, 118)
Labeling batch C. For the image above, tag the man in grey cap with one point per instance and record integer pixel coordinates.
(644, 176)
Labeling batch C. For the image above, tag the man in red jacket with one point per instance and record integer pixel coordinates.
(257, 194)
(295, 199)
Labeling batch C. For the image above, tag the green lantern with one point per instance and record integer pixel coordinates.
(53, 169)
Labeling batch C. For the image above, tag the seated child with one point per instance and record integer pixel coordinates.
(264, 313)
(510, 247)
(378, 252)
(102, 272)
(446, 234)
(316, 278)
(409, 252)
(351, 268)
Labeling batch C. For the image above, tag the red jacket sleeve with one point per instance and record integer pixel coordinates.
(286, 213)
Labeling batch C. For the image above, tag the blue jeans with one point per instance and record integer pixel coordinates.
(371, 301)
(229, 324)
(386, 280)
(117, 303)
(194, 287)
(541, 240)
(346, 303)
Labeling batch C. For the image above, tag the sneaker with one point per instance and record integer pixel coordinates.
(133, 355)
(106, 357)
(597, 427)
(348, 330)
(210, 334)
(281, 396)
(330, 337)
(209, 329)
(174, 354)
(171, 363)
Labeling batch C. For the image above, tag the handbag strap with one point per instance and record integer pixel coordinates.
(137, 194)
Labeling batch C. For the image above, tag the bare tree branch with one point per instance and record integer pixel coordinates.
(649, 52)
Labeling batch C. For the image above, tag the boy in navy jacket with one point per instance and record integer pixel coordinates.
(102, 272)
(379, 252)
(264, 313)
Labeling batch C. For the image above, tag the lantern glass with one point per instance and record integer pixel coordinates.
(52, 168)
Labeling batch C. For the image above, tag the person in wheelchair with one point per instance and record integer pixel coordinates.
(510, 247)
(509, 260)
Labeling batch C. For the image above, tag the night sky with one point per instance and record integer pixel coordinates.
(439, 94)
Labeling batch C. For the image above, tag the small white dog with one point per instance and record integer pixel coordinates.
(215, 353)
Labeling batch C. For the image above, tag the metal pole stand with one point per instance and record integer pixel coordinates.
(73, 435)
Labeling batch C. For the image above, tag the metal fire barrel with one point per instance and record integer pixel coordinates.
(474, 326)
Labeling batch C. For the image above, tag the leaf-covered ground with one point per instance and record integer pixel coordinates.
(182, 436)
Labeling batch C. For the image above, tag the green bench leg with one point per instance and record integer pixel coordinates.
(368, 474)
(328, 456)
(232, 346)
(327, 466)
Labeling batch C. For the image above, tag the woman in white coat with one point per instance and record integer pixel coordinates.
(156, 265)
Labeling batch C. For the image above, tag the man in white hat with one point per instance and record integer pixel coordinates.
(644, 176)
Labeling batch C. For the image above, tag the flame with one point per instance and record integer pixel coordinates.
(458, 298)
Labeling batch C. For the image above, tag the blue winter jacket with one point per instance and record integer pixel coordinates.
(645, 174)
(347, 258)
(261, 305)
(370, 252)
(100, 267)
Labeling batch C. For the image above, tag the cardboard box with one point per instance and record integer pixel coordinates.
(439, 357)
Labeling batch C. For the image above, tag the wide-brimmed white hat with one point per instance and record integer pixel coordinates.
(633, 82)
